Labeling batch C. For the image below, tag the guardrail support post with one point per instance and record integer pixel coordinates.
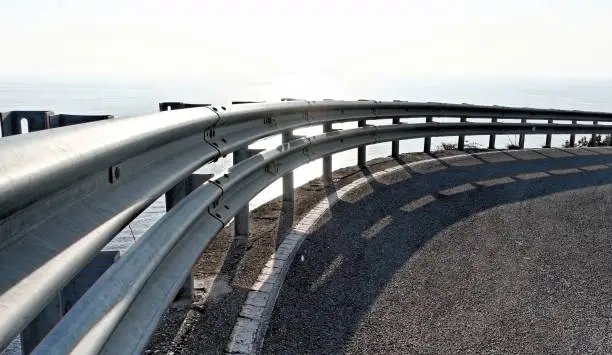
(594, 135)
(395, 144)
(327, 160)
(42, 324)
(461, 143)
(492, 137)
(549, 137)
(11, 121)
(173, 105)
(427, 141)
(288, 191)
(173, 196)
(522, 136)
(572, 140)
(182, 189)
(241, 219)
(361, 150)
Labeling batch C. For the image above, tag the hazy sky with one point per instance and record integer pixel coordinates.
(337, 41)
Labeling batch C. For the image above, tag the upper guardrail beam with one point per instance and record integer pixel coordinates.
(37, 164)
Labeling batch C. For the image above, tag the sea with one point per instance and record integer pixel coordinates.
(124, 97)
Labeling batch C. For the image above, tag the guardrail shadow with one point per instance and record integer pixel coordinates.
(353, 256)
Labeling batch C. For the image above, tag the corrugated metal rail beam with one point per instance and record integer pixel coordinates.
(65, 193)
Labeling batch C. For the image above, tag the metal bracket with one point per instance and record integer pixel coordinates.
(212, 210)
(217, 182)
(211, 132)
(272, 168)
(253, 152)
(333, 130)
(296, 137)
(269, 120)
(307, 152)
(246, 102)
(114, 173)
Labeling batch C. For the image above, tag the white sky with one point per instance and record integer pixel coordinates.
(339, 41)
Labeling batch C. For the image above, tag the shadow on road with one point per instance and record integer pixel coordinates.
(351, 259)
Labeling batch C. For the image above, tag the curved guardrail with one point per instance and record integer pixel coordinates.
(65, 193)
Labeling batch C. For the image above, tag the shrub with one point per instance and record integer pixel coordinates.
(446, 146)
(512, 144)
(588, 142)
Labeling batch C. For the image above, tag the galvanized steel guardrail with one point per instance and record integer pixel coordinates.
(65, 193)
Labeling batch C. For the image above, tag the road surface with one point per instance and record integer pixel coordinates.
(513, 257)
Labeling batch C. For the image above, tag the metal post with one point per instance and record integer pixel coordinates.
(65, 299)
(461, 143)
(288, 191)
(594, 135)
(241, 219)
(173, 196)
(492, 137)
(572, 141)
(522, 136)
(361, 150)
(549, 137)
(42, 324)
(36, 121)
(327, 160)
(62, 120)
(427, 143)
(395, 144)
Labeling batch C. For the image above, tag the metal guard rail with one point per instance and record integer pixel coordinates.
(65, 193)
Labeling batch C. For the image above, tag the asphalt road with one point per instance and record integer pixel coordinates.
(514, 257)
